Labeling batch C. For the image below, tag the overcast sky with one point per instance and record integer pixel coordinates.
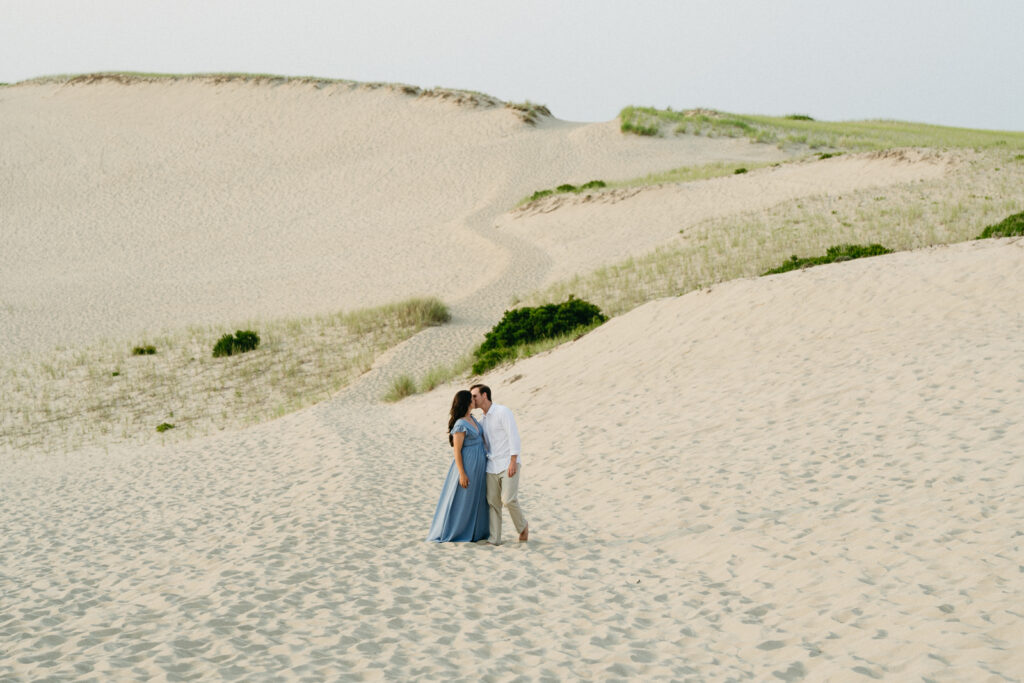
(950, 62)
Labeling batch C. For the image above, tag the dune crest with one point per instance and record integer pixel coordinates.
(196, 201)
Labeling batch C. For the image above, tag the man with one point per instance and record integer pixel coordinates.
(503, 463)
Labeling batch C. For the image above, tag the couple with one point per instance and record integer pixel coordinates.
(471, 501)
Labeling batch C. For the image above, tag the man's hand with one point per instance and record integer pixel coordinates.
(512, 467)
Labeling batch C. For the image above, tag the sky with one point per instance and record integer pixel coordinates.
(947, 62)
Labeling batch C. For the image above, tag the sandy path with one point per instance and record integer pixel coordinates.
(811, 475)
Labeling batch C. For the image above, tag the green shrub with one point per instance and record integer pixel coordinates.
(739, 171)
(566, 187)
(828, 155)
(242, 341)
(163, 427)
(526, 325)
(799, 117)
(842, 252)
(143, 350)
(1011, 225)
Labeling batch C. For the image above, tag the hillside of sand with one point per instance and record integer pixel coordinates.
(814, 475)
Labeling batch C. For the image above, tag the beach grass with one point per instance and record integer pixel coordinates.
(73, 398)
(681, 174)
(801, 130)
(981, 191)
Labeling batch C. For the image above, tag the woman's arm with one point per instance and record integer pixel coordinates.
(458, 438)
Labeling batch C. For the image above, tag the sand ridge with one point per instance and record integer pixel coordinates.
(146, 206)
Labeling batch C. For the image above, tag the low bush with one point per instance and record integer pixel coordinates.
(241, 342)
(566, 187)
(144, 351)
(164, 427)
(799, 117)
(739, 171)
(1011, 225)
(841, 252)
(526, 325)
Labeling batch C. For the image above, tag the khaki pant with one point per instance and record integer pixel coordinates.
(503, 490)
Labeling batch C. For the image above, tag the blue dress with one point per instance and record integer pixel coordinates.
(461, 514)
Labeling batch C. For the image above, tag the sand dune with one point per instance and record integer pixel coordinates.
(157, 204)
(582, 232)
(814, 475)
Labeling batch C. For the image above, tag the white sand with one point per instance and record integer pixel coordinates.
(813, 475)
(141, 207)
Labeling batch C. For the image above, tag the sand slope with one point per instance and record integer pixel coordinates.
(131, 208)
(813, 475)
(581, 233)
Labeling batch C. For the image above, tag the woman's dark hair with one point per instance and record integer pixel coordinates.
(460, 406)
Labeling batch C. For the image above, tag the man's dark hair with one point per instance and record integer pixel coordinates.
(484, 389)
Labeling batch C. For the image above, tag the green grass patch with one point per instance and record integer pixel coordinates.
(797, 130)
(841, 252)
(565, 188)
(1009, 226)
(147, 350)
(686, 174)
(163, 427)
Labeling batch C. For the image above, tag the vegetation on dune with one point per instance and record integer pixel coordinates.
(566, 188)
(401, 386)
(836, 254)
(1009, 226)
(979, 191)
(72, 398)
(522, 326)
(146, 350)
(800, 129)
(242, 342)
(683, 174)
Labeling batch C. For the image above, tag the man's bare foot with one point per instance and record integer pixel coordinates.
(525, 536)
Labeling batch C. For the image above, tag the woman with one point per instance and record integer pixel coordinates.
(461, 514)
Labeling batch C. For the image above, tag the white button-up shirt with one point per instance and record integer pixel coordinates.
(502, 437)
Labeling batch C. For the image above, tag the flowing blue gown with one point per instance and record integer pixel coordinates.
(461, 514)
